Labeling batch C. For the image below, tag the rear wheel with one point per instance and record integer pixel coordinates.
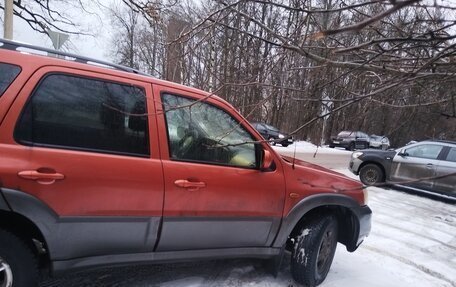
(18, 267)
(284, 144)
(371, 174)
(313, 250)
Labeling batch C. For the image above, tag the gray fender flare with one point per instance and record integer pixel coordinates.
(31, 208)
(304, 206)
(3, 203)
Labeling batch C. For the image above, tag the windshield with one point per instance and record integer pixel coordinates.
(345, 134)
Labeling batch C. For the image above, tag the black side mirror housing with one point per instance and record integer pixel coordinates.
(403, 153)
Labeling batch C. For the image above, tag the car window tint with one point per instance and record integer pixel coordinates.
(80, 113)
(429, 151)
(7, 75)
(202, 132)
(451, 155)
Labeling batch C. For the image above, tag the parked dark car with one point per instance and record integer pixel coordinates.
(273, 134)
(420, 166)
(350, 140)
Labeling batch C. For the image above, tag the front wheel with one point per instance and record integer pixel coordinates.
(371, 174)
(18, 267)
(313, 250)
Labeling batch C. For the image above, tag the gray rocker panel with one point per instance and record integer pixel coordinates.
(70, 237)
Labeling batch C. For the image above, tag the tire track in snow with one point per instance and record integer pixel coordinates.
(424, 269)
(411, 203)
(442, 210)
(402, 229)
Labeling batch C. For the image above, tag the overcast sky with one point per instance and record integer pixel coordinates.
(97, 24)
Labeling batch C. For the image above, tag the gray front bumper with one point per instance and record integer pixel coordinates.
(354, 165)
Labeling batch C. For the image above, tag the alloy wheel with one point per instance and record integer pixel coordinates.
(371, 176)
(6, 274)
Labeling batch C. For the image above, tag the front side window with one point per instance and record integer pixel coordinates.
(85, 114)
(428, 151)
(201, 132)
(451, 155)
(7, 75)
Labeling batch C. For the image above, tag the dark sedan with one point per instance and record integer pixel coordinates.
(273, 134)
(425, 166)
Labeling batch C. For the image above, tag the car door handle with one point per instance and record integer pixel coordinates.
(429, 165)
(190, 185)
(48, 177)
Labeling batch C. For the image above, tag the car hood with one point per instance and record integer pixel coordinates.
(306, 179)
(309, 165)
(386, 154)
(319, 176)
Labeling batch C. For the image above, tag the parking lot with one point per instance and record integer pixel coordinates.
(412, 243)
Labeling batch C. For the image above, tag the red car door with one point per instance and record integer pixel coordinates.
(82, 148)
(215, 194)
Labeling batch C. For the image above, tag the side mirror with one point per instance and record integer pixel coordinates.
(267, 161)
(403, 153)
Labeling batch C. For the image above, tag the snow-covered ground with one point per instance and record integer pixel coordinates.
(307, 147)
(412, 244)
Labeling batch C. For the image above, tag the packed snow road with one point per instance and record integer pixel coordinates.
(412, 244)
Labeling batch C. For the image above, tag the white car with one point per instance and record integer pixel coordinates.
(381, 142)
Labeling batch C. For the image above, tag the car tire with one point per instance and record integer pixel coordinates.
(284, 144)
(371, 174)
(331, 146)
(17, 262)
(313, 250)
(271, 141)
(351, 146)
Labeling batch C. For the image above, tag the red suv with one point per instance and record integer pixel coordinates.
(103, 165)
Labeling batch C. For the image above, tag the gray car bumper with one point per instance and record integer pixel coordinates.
(354, 165)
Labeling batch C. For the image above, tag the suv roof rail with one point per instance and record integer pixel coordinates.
(14, 45)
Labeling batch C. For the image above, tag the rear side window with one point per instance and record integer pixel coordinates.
(85, 114)
(7, 75)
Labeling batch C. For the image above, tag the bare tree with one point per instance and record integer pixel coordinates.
(310, 67)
